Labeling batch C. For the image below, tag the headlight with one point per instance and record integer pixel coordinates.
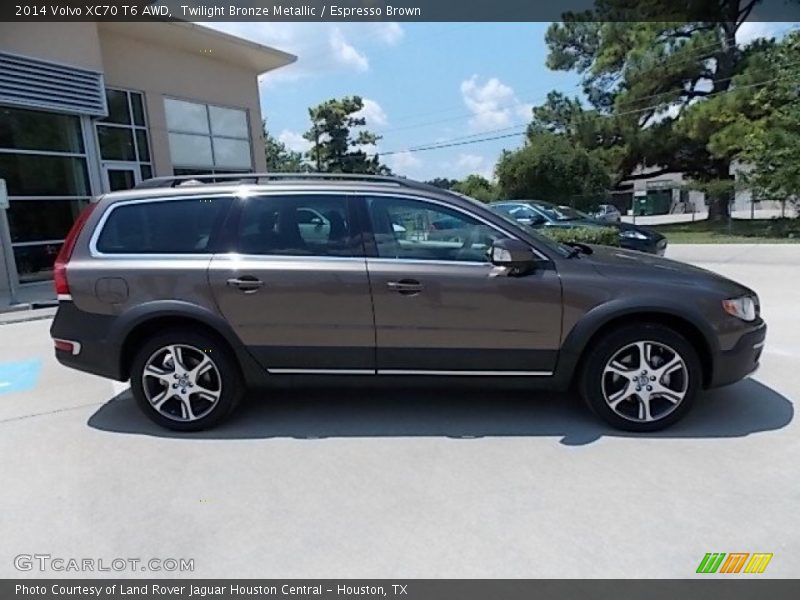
(743, 308)
(632, 234)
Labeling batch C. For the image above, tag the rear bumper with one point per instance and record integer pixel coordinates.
(741, 360)
(96, 354)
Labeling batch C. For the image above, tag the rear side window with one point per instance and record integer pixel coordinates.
(297, 225)
(162, 227)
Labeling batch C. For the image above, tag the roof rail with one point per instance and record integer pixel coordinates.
(259, 178)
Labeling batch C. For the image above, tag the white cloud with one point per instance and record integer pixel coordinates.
(389, 33)
(373, 113)
(321, 48)
(403, 163)
(294, 141)
(493, 104)
(468, 164)
(345, 54)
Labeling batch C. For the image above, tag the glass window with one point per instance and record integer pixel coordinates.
(116, 143)
(166, 227)
(207, 137)
(118, 112)
(228, 122)
(147, 172)
(231, 153)
(137, 105)
(142, 146)
(44, 175)
(126, 140)
(186, 117)
(187, 149)
(297, 226)
(38, 130)
(35, 262)
(413, 229)
(39, 220)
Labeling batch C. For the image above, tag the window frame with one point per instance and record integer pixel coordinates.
(133, 127)
(371, 246)
(213, 238)
(210, 135)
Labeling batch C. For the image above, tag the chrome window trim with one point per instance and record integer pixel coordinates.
(235, 256)
(98, 230)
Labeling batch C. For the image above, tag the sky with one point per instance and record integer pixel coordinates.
(422, 83)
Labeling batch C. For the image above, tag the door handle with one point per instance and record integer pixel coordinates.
(247, 283)
(407, 287)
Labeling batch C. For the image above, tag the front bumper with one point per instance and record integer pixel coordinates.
(741, 360)
(658, 247)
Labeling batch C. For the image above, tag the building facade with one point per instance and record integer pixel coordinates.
(87, 108)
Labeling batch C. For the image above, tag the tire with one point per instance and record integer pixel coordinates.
(641, 396)
(199, 394)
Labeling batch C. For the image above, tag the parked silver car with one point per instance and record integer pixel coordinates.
(608, 213)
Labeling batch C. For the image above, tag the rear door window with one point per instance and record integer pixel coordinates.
(298, 225)
(182, 226)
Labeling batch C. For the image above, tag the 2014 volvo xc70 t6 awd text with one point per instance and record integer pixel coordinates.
(196, 291)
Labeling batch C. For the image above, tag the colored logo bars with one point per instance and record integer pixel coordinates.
(736, 562)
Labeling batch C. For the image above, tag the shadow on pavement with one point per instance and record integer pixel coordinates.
(735, 411)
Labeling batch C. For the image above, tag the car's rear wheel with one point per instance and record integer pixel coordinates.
(641, 377)
(185, 381)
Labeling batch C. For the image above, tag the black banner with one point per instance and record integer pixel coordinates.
(400, 10)
(734, 588)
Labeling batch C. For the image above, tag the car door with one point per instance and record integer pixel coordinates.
(300, 302)
(440, 306)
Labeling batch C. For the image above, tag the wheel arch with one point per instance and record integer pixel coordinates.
(581, 339)
(149, 319)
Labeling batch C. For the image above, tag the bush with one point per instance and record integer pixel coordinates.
(604, 236)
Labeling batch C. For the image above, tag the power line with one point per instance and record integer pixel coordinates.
(464, 142)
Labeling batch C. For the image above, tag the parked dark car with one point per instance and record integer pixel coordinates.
(196, 292)
(537, 213)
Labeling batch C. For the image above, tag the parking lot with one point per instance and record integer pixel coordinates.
(409, 483)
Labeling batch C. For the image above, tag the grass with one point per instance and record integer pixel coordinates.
(739, 231)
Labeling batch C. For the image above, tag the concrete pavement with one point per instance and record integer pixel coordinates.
(409, 483)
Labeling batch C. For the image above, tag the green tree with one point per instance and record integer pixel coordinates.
(647, 80)
(551, 167)
(478, 187)
(336, 147)
(759, 122)
(443, 182)
(279, 158)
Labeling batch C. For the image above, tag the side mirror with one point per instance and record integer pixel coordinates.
(515, 255)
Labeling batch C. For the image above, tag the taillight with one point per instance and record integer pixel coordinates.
(60, 266)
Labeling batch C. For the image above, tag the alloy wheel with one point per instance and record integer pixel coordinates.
(645, 381)
(181, 382)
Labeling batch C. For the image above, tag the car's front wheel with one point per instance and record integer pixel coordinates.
(185, 381)
(641, 377)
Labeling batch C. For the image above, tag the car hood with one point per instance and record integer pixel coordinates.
(629, 264)
(591, 223)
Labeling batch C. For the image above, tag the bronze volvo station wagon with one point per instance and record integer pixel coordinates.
(197, 288)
